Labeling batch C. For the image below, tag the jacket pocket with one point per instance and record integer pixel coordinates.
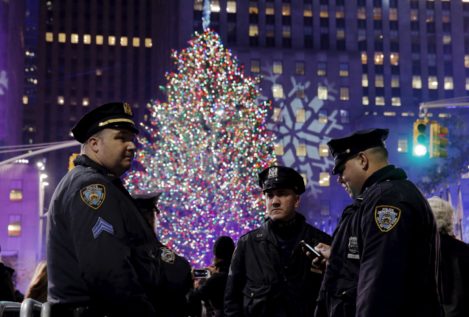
(343, 303)
(256, 299)
(146, 262)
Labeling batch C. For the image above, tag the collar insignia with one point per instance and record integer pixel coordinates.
(93, 195)
(386, 217)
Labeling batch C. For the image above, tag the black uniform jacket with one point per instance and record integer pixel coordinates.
(260, 285)
(454, 270)
(384, 253)
(100, 250)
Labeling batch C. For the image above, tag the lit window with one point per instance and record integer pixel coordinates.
(396, 101)
(466, 61)
(324, 13)
(278, 149)
(215, 5)
(286, 10)
(85, 102)
(87, 39)
(389, 114)
(395, 81)
(339, 14)
(379, 101)
(365, 100)
(253, 9)
(364, 58)
(467, 83)
(344, 93)
(432, 82)
(301, 150)
(60, 100)
(253, 30)
(379, 81)
(402, 145)
(269, 10)
(231, 6)
(446, 39)
(364, 80)
(340, 34)
(379, 58)
(323, 116)
(416, 82)
(99, 39)
(16, 195)
(148, 42)
(393, 14)
(25, 100)
(124, 41)
(448, 83)
(62, 37)
(255, 66)
(414, 15)
(324, 179)
(323, 150)
(361, 13)
(198, 5)
(111, 40)
(49, 37)
(308, 12)
(300, 68)
(74, 38)
(300, 116)
(394, 58)
(277, 67)
(14, 226)
(322, 92)
(286, 32)
(136, 42)
(300, 93)
(322, 69)
(99, 72)
(276, 114)
(377, 14)
(277, 91)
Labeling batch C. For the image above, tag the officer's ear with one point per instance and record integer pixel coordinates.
(363, 160)
(93, 143)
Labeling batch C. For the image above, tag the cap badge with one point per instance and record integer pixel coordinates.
(273, 172)
(127, 109)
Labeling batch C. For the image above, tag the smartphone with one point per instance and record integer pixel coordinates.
(201, 273)
(311, 249)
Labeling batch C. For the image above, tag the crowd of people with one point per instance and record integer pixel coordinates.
(387, 257)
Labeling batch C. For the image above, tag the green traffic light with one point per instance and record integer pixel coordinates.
(420, 150)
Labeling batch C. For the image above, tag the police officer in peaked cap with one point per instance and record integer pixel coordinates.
(383, 258)
(100, 250)
(270, 274)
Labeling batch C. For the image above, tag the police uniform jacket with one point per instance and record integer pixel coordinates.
(261, 283)
(101, 252)
(384, 253)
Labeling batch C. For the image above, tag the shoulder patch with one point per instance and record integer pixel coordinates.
(93, 195)
(386, 217)
(167, 255)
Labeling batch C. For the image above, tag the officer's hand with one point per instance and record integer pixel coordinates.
(324, 249)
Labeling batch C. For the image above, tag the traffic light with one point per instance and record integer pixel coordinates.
(438, 140)
(420, 146)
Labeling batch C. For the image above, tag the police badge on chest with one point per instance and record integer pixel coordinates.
(352, 248)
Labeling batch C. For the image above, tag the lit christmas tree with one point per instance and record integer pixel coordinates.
(204, 149)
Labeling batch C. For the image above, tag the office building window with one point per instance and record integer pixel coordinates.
(49, 37)
(60, 100)
(396, 101)
(286, 32)
(448, 85)
(379, 58)
(62, 37)
(277, 91)
(300, 68)
(344, 93)
(231, 6)
(278, 149)
(16, 194)
(377, 14)
(379, 81)
(136, 42)
(255, 66)
(198, 5)
(323, 150)
(395, 81)
(361, 13)
(308, 11)
(432, 82)
(253, 30)
(343, 69)
(322, 69)
(322, 116)
(276, 114)
(364, 80)
(364, 58)
(87, 38)
(467, 83)
(301, 150)
(365, 100)
(300, 116)
(253, 8)
(14, 226)
(416, 82)
(394, 58)
(277, 67)
(379, 101)
(111, 40)
(393, 15)
(324, 12)
(269, 9)
(324, 179)
(148, 42)
(74, 38)
(286, 10)
(99, 40)
(466, 61)
(322, 92)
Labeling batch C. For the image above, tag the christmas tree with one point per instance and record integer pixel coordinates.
(203, 149)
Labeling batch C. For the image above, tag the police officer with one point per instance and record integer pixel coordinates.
(383, 257)
(100, 250)
(270, 275)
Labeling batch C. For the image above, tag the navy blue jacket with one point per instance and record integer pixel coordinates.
(384, 253)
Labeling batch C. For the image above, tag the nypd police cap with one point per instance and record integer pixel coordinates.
(116, 115)
(281, 177)
(345, 148)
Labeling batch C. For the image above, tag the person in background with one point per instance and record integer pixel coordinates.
(383, 258)
(270, 274)
(37, 288)
(454, 262)
(211, 290)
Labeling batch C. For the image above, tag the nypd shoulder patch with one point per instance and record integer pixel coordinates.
(93, 195)
(386, 217)
(167, 255)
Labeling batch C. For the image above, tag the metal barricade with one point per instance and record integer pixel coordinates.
(9, 309)
(30, 308)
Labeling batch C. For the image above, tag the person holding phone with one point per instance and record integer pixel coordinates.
(270, 273)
